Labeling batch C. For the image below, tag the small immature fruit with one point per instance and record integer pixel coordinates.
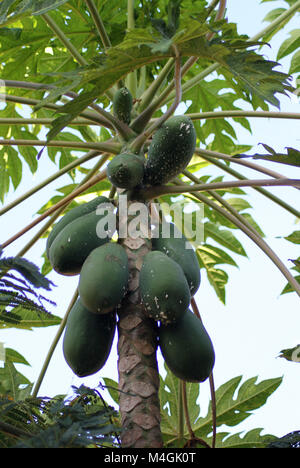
(104, 278)
(169, 240)
(73, 214)
(88, 339)
(126, 170)
(164, 290)
(73, 244)
(122, 105)
(170, 150)
(187, 348)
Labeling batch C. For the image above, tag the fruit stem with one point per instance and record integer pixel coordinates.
(111, 146)
(241, 113)
(157, 191)
(180, 413)
(239, 176)
(92, 116)
(131, 80)
(98, 23)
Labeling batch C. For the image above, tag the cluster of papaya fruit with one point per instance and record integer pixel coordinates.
(169, 152)
(169, 275)
(169, 278)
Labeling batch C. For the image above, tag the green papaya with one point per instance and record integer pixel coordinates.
(169, 240)
(88, 339)
(104, 278)
(170, 150)
(71, 215)
(164, 289)
(73, 244)
(122, 105)
(187, 348)
(126, 170)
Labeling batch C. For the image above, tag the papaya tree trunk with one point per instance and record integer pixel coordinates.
(137, 360)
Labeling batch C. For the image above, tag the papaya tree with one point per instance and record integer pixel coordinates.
(126, 100)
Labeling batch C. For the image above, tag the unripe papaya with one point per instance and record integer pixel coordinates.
(126, 170)
(169, 240)
(164, 290)
(71, 215)
(122, 105)
(170, 150)
(187, 348)
(73, 244)
(88, 339)
(104, 278)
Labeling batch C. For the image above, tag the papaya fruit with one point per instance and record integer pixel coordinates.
(169, 240)
(73, 244)
(122, 105)
(170, 150)
(104, 278)
(164, 290)
(187, 348)
(71, 215)
(88, 339)
(126, 170)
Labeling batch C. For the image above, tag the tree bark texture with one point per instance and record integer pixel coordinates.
(137, 360)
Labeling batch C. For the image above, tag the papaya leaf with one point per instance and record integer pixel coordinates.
(251, 439)
(13, 383)
(13, 356)
(217, 278)
(112, 388)
(295, 65)
(170, 405)
(235, 402)
(291, 440)
(294, 237)
(289, 45)
(292, 157)
(12, 10)
(27, 269)
(224, 237)
(291, 354)
(27, 319)
(288, 288)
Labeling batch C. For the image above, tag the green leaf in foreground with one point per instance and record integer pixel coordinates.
(27, 319)
(12, 10)
(291, 354)
(292, 157)
(294, 237)
(235, 401)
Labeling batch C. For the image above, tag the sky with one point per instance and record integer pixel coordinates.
(255, 324)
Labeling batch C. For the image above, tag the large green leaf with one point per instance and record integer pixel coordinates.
(27, 319)
(235, 401)
(292, 157)
(224, 237)
(12, 10)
